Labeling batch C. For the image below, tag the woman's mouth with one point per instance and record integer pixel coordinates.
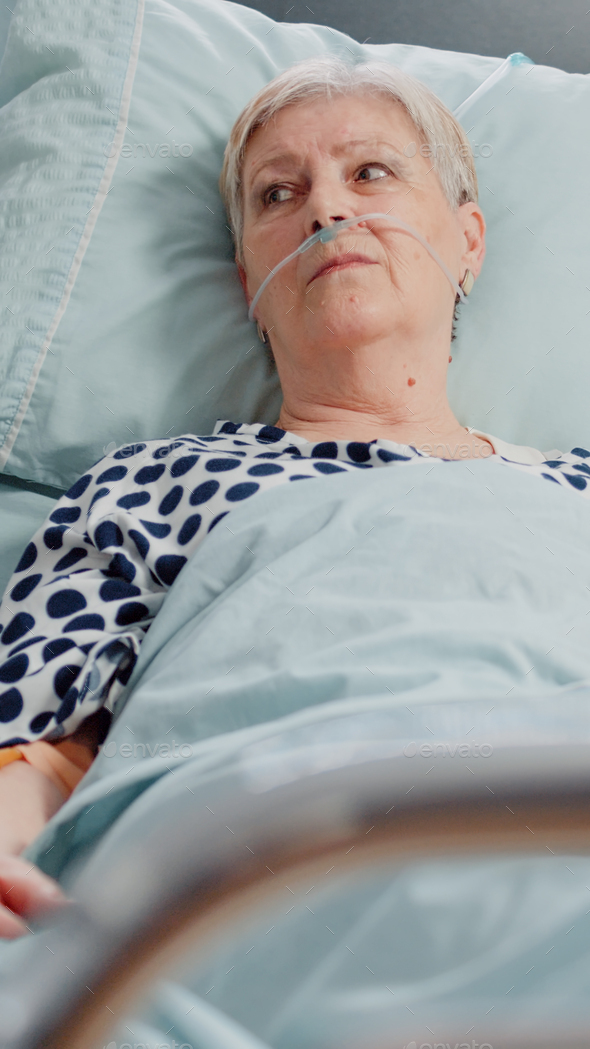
(340, 262)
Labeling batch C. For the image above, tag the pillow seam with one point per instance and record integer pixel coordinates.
(89, 227)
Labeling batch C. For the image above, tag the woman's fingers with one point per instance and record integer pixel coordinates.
(10, 926)
(25, 891)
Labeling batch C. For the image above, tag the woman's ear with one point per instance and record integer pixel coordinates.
(473, 226)
(244, 281)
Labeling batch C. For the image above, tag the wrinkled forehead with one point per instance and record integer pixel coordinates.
(337, 126)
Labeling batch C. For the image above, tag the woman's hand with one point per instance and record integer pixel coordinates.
(25, 893)
(27, 800)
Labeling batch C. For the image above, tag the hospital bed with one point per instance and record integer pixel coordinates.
(344, 804)
(139, 276)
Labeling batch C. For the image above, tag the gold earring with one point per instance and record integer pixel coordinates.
(467, 283)
(262, 335)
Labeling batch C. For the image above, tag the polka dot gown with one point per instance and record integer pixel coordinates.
(93, 577)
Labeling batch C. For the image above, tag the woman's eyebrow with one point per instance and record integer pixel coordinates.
(353, 143)
(278, 160)
(403, 164)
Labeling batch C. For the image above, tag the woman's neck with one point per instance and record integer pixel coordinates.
(384, 388)
(439, 435)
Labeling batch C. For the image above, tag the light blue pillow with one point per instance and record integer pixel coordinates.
(122, 314)
(5, 17)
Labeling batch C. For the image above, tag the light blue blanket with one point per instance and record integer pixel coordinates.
(425, 583)
(428, 581)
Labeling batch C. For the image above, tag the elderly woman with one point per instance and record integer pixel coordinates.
(360, 329)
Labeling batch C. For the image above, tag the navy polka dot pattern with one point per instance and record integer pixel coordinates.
(203, 492)
(11, 705)
(134, 499)
(18, 626)
(159, 531)
(171, 500)
(149, 474)
(25, 587)
(67, 514)
(168, 566)
(265, 469)
(94, 576)
(221, 465)
(56, 648)
(28, 558)
(328, 468)
(68, 560)
(189, 529)
(100, 494)
(183, 465)
(88, 622)
(54, 537)
(115, 473)
(77, 490)
(140, 541)
(241, 491)
(326, 450)
(108, 534)
(64, 603)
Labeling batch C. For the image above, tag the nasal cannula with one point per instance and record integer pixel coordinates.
(329, 233)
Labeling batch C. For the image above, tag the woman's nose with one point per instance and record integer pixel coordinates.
(317, 225)
(326, 203)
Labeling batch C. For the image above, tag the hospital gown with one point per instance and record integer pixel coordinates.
(94, 576)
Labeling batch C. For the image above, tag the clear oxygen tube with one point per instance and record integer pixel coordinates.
(331, 232)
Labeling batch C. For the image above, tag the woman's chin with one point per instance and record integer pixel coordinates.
(356, 318)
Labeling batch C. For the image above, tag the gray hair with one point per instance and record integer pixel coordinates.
(442, 136)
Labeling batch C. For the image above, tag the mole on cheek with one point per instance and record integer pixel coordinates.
(411, 382)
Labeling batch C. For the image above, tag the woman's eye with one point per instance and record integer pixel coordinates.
(276, 195)
(371, 172)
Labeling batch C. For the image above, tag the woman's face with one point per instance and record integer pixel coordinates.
(326, 160)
